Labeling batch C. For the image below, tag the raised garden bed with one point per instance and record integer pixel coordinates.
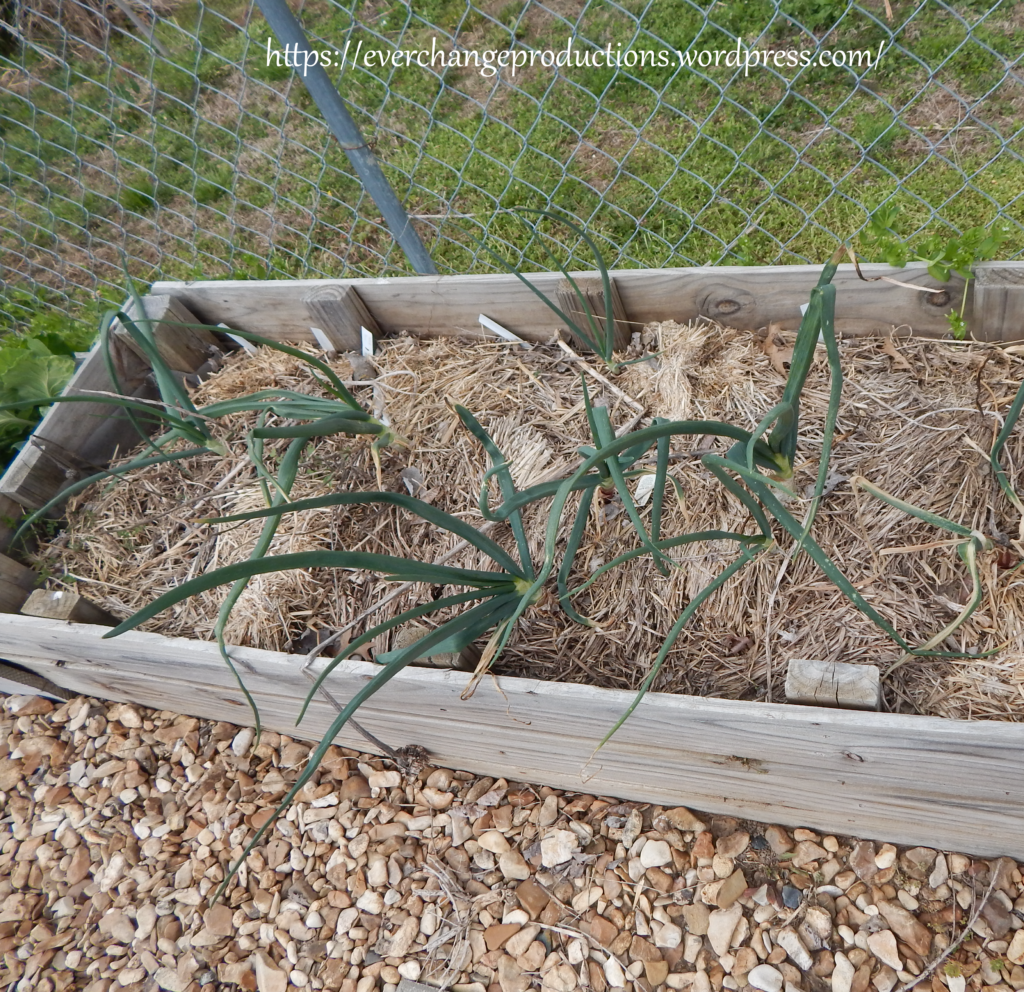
(852, 772)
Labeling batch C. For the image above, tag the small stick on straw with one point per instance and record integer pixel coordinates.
(591, 371)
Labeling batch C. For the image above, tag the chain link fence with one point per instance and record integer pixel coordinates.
(165, 140)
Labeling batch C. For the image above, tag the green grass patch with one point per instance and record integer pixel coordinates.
(224, 164)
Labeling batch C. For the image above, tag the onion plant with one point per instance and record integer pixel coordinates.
(757, 469)
(496, 593)
(596, 333)
(305, 417)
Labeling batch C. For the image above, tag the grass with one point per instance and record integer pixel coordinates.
(198, 169)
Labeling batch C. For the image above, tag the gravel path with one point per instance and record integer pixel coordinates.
(116, 823)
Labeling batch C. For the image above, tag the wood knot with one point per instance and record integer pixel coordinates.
(725, 302)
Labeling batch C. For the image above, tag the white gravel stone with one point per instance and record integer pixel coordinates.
(410, 970)
(242, 741)
(371, 902)
(667, 935)
(883, 946)
(385, 780)
(655, 853)
(495, 842)
(557, 847)
(614, 975)
(766, 978)
(1015, 952)
(842, 975)
(789, 940)
(721, 926)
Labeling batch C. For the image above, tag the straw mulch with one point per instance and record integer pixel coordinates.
(914, 420)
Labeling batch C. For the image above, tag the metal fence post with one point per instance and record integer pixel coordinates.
(288, 30)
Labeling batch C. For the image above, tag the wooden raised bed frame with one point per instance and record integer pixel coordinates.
(916, 780)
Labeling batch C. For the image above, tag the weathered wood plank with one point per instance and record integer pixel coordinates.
(811, 682)
(340, 313)
(747, 297)
(913, 780)
(16, 583)
(10, 511)
(183, 348)
(999, 299)
(592, 291)
(60, 604)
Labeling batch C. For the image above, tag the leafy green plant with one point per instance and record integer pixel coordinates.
(943, 255)
(36, 360)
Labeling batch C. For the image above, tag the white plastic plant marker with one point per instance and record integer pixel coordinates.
(803, 311)
(247, 345)
(644, 488)
(366, 339)
(495, 328)
(324, 341)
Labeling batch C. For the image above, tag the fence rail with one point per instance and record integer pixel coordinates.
(171, 140)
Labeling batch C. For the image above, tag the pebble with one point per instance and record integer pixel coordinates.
(733, 845)
(269, 978)
(883, 945)
(721, 926)
(242, 741)
(862, 860)
(655, 853)
(791, 897)
(1015, 951)
(886, 856)
(682, 819)
(778, 840)
(842, 974)
(332, 896)
(789, 940)
(384, 780)
(732, 888)
(906, 926)
(766, 978)
(513, 866)
(940, 873)
(169, 980)
(557, 847)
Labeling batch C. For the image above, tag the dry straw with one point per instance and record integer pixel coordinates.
(916, 419)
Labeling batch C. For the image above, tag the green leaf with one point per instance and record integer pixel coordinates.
(39, 376)
(423, 510)
(391, 568)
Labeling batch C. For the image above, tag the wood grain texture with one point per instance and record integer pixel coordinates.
(833, 683)
(912, 780)
(592, 291)
(16, 583)
(10, 511)
(999, 299)
(747, 297)
(340, 313)
(183, 348)
(60, 604)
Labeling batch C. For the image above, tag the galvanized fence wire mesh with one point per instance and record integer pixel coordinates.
(160, 140)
